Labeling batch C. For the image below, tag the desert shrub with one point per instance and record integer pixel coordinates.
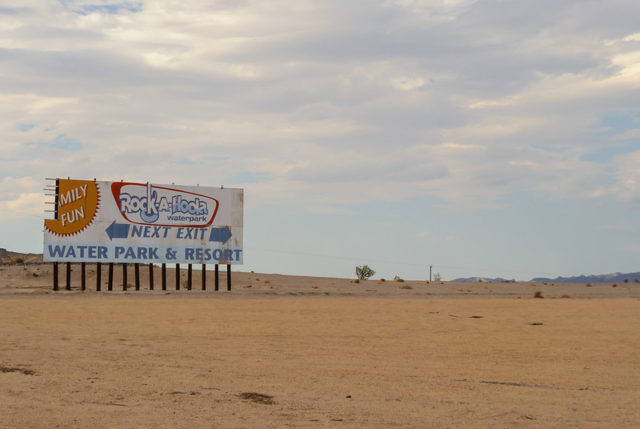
(588, 285)
(355, 281)
(16, 260)
(538, 294)
(626, 280)
(564, 296)
(614, 285)
(364, 272)
(405, 287)
(398, 279)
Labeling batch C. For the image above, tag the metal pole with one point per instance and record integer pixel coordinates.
(430, 273)
(189, 277)
(68, 276)
(164, 276)
(83, 283)
(228, 276)
(124, 276)
(150, 276)
(110, 282)
(204, 276)
(216, 278)
(98, 277)
(55, 276)
(177, 276)
(137, 274)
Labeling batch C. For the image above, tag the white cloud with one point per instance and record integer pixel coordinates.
(329, 100)
(21, 197)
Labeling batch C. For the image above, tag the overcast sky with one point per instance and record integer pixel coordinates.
(490, 138)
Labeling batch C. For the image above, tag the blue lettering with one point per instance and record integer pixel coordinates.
(71, 253)
(102, 252)
(188, 253)
(119, 251)
(142, 253)
(136, 230)
(153, 253)
(56, 251)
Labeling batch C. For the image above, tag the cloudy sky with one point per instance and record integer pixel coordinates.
(491, 138)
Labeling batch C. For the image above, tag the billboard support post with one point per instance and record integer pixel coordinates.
(204, 276)
(68, 276)
(228, 277)
(83, 280)
(55, 276)
(98, 277)
(110, 283)
(177, 276)
(124, 276)
(164, 276)
(189, 277)
(137, 275)
(216, 279)
(150, 276)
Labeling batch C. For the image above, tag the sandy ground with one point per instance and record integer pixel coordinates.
(312, 352)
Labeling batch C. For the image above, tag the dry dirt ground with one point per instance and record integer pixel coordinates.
(315, 352)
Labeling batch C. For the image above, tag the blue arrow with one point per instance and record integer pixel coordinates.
(221, 235)
(118, 230)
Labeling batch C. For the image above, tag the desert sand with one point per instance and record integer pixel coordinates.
(284, 351)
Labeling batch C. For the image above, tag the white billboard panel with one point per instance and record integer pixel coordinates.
(145, 223)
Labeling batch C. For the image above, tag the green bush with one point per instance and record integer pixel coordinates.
(364, 272)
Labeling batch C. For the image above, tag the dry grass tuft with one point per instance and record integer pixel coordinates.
(614, 285)
(20, 370)
(538, 294)
(564, 296)
(258, 398)
(405, 287)
(16, 261)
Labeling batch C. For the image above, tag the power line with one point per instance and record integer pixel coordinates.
(390, 262)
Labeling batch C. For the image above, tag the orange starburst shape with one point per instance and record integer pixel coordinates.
(78, 202)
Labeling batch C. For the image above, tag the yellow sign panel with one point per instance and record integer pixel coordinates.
(78, 202)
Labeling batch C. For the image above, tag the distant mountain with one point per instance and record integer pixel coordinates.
(599, 278)
(7, 257)
(481, 279)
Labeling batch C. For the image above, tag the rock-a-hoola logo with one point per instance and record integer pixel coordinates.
(160, 205)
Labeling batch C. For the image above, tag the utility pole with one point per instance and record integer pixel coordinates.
(430, 267)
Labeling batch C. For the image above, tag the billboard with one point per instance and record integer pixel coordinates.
(144, 223)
